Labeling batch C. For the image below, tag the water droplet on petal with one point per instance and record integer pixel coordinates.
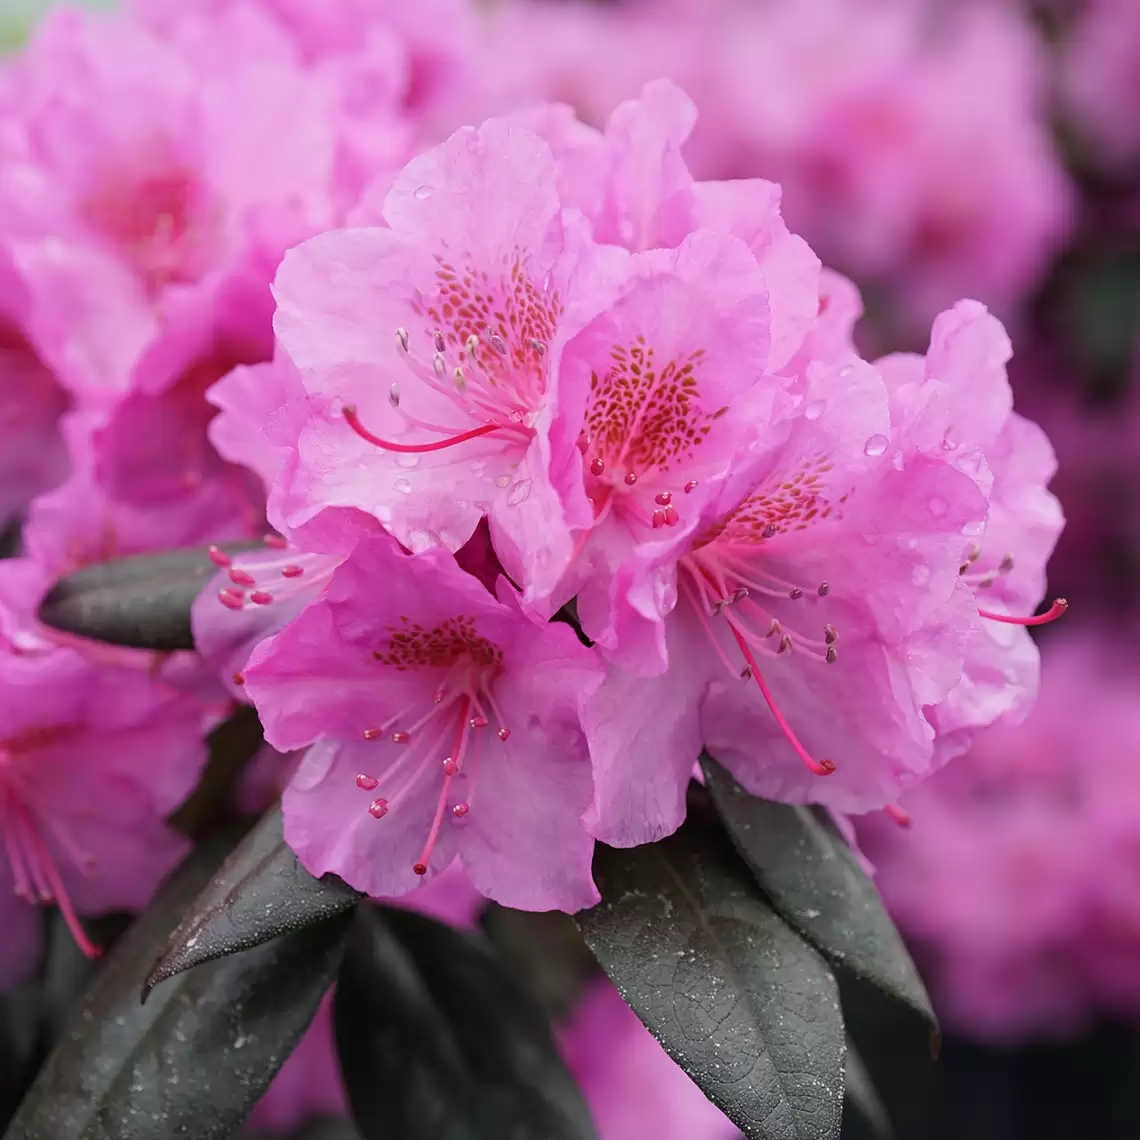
(846, 371)
(520, 492)
(407, 461)
(938, 506)
(875, 446)
(422, 193)
(502, 481)
(814, 410)
(403, 486)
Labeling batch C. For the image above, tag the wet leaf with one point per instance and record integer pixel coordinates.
(193, 1061)
(438, 1042)
(747, 1008)
(814, 880)
(259, 893)
(143, 601)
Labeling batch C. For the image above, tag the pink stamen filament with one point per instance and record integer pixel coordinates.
(1055, 611)
(818, 768)
(450, 772)
(414, 448)
(33, 867)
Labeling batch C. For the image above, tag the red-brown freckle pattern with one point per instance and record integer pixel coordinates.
(473, 302)
(644, 415)
(780, 505)
(414, 646)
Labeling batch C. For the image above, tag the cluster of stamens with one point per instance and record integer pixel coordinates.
(482, 380)
(461, 709)
(37, 878)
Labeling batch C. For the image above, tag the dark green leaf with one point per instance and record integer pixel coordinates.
(260, 892)
(862, 1094)
(437, 1042)
(545, 951)
(815, 881)
(747, 1008)
(193, 1061)
(143, 601)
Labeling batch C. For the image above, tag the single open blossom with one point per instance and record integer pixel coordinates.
(442, 723)
(635, 1090)
(92, 760)
(431, 349)
(843, 589)
(1016, 881)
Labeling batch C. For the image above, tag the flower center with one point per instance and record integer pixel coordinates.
(643, 424)
(449, 733)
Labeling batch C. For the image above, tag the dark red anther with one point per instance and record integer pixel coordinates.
(378, 809)
(664, 498)
(367, 783)
(275, 541)
(219, 557)
(241, 577)
(260, 598)
(292, 571)
(597, 467)
(420, 868)
(460, 810)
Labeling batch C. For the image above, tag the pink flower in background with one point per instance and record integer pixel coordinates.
(82, 522)
(148, 192)
(898, 165)
(634, 1089)
(431, 350)
(1016, 879)
(92, 760)
(443, 723)
(1100, 78)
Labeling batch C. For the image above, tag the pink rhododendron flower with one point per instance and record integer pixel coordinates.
(1002, 880)
(635, 1090)
(836, 578)
(1100, 78)
(442, 723)
(440, 340)
(92, 760)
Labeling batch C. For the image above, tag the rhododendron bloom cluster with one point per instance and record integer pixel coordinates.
(547, 366)
(1017, 881)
